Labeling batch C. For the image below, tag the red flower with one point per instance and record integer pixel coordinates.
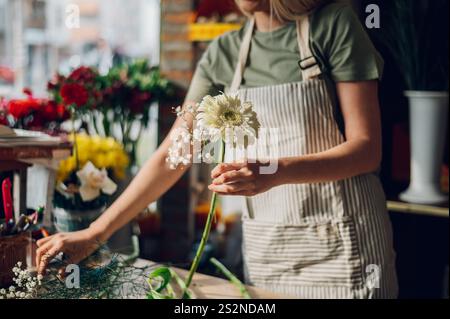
(139, 101)
(62, 112)
(83, 75)
(73, 93)
(20, 109)
(28, 92)
(3, 120)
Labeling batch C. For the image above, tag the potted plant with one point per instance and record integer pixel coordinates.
(416, 33)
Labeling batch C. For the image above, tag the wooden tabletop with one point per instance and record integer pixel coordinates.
(208, 287)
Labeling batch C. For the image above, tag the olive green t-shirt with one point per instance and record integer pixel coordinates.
(337, 38)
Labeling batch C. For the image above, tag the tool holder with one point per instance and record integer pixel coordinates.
(12, 250)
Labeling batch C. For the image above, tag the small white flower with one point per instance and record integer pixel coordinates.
(93, 181)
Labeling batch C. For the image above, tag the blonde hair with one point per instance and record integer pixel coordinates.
(289, 10)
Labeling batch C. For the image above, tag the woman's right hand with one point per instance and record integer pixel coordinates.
(76, 246)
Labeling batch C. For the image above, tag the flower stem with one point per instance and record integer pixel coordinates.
(232, 278)
(75, 146)
(206, 230)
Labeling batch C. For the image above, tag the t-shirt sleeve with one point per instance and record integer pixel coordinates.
(202, 83)
(350, 54)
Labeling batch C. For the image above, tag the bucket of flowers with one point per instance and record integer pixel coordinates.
(86, 180)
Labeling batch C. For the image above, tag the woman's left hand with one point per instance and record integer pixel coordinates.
(240, 179)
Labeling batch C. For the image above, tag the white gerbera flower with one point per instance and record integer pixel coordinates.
(222, 117)
(224, 112)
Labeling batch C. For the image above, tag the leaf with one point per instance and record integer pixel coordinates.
(164, 274)
(232, 278)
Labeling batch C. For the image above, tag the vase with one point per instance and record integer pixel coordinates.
(68, 220)
(428, 130)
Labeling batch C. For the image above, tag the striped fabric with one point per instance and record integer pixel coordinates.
(314, 240)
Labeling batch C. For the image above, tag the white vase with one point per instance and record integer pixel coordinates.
(428, 113)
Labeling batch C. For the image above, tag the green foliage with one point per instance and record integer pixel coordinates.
(232, 278)
(160, 284)
(118, 278)
(416, 34)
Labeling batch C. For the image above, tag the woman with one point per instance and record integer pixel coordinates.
(318, 227)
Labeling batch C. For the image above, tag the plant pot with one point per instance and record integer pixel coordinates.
(66, 220)
(428, 129)
(12, 250)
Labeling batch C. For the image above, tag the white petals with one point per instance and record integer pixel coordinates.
(26, 284)
(93, 181)
(222, 117)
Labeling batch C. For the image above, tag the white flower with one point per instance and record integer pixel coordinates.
(224, 112)
(93, 181)
(222, 117)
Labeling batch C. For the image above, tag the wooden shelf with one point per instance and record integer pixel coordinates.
(19, 158)
(418, 209)
(199, 32)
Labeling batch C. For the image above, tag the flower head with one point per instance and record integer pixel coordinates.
(223, 117)
(93, 181)
(73, 93)
(224, 112)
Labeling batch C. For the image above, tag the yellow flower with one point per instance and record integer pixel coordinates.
(102, 152)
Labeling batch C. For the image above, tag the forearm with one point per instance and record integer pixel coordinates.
(349, 159)
(152, 181)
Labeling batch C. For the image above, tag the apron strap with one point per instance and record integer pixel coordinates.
(308, 63)
(243, 56)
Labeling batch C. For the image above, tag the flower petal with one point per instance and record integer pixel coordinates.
(88, 193)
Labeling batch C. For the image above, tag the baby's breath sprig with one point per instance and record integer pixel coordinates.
(26, 284)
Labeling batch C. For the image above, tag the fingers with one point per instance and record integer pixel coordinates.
(223, 168)
(42, 241)
(46, 252)
(232, 189)
(242, 175)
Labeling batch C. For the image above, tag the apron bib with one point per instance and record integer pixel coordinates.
(327, 240)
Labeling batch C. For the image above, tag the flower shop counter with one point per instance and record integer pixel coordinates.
(209, 287)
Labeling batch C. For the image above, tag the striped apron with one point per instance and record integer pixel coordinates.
(324, 240)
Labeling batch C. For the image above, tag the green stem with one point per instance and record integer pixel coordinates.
(206, 230)
(75, 146)
(232, 278)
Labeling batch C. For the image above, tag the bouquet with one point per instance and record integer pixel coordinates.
(33, 114)
(114, 105)
(129, 90)
(86, 181)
